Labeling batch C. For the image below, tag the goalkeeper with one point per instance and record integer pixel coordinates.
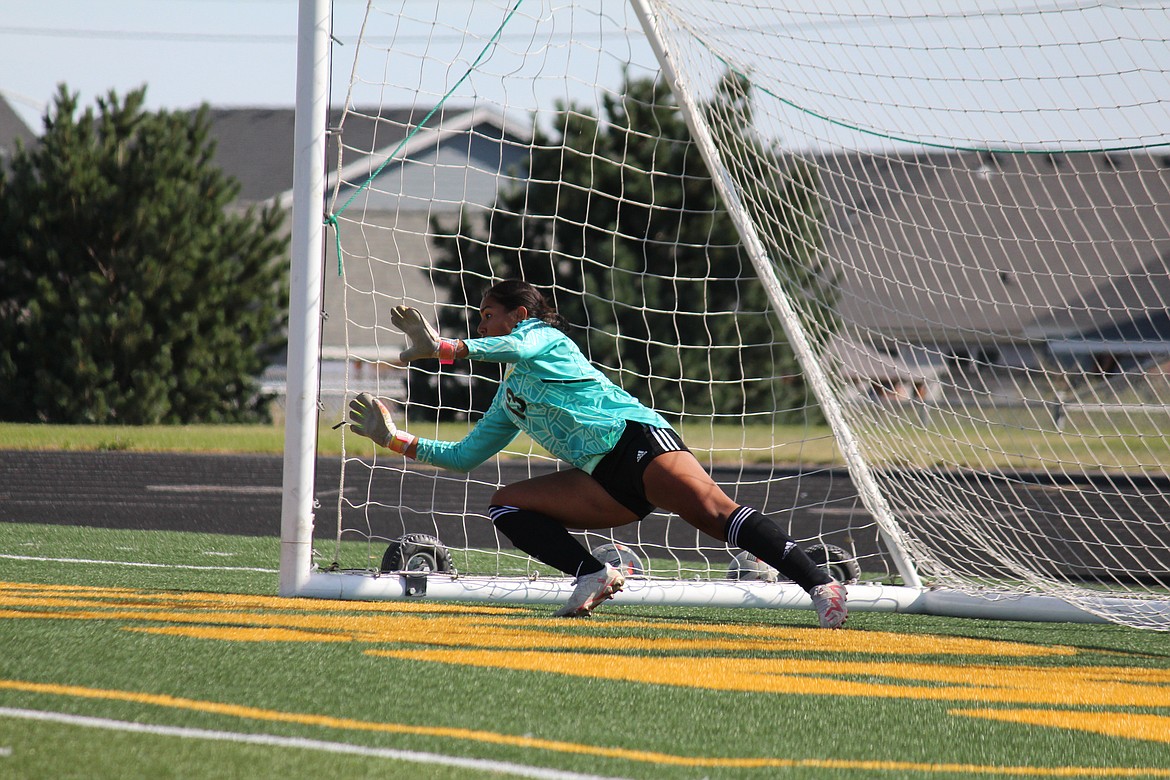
(627, 458)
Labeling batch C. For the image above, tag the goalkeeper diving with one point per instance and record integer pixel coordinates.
(627, 459)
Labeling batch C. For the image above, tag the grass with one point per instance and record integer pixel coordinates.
(277, 687)
(129, 653)
(1010, 440)
(145, 438)
(724, 442)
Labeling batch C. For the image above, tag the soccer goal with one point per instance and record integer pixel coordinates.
(902, 282)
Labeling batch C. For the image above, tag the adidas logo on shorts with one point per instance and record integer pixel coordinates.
(642, 454)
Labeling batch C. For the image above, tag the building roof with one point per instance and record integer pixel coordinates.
(12, 130)
(942, 247)
(255, 145)
(933, 247)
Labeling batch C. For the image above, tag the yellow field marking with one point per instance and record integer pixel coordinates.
(1127, 725)
(513, 634)
(640, 651)
(13, 592)
(1083, 686)
(495, 738)
(442, 624)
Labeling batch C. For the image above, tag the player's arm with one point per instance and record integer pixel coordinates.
(425, 342)
(520, 344)
(492, 433)
(369, 417)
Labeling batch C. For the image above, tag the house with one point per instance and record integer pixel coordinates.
(980, 262)
(459, 158)
(964, 264)
(952, 263)
(960, 263)
(396, 177)
(882, 376)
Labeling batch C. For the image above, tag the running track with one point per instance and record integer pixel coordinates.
(240, 494)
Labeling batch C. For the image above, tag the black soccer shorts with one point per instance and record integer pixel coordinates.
(621, 471)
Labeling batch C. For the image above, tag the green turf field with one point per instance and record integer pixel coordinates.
(154, 654)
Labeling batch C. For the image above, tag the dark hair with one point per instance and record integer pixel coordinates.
(514, 293)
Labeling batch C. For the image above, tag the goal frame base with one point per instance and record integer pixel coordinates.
(863, 597)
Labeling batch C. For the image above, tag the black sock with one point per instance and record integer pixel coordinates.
(544, 539)
(762, 537)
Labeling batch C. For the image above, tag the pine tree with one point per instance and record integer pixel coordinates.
(129, 293)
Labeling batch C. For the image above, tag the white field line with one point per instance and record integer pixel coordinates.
(137, 563)
(484, 765)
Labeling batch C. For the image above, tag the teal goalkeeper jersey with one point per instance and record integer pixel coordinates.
(552, 393)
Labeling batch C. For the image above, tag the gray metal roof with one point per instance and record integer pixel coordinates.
(12, 130)
(933, 247)
(255, 145)
(944, 247)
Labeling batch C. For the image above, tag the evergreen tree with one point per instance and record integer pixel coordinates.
(128, 292)
(588, 194)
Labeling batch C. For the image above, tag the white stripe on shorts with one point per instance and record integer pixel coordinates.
(667, 442)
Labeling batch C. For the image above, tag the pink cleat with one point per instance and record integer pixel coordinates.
(829, 599)
(591, 590)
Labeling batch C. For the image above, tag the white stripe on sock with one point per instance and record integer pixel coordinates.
(735, 522)
(496, 512)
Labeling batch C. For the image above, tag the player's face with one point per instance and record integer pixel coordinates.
(495, 320)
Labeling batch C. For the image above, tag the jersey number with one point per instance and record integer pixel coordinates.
(516, 404)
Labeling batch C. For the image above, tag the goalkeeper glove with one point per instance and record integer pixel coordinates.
(425, 342)
(369, 417)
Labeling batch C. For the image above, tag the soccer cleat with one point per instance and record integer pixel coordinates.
(591, 590)
(829, 600)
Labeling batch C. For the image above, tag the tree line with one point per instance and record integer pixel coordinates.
(129, 292)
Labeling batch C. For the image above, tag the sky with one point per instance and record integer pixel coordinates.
(242, 53)
(227, 53)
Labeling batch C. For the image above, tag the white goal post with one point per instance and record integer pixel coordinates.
(902, 282)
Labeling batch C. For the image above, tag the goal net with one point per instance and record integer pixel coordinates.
(900, 280)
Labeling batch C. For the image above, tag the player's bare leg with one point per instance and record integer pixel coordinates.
(677, 482)
(535, 515)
